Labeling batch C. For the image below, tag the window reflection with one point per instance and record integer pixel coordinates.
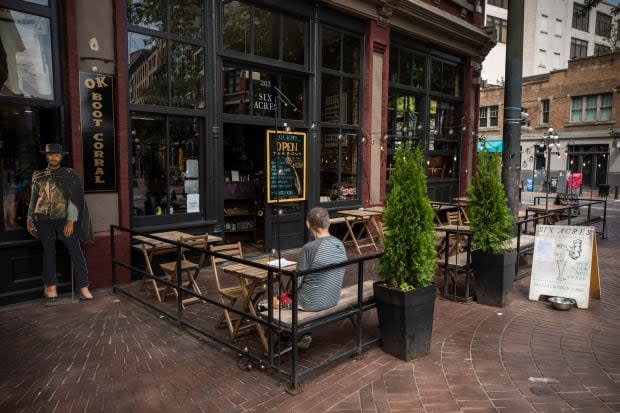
(147, 13)
(445, 78)
(148, 71)
(26, 67)
(444, 136)
(187, 76)
(186, 18)
(165, 162)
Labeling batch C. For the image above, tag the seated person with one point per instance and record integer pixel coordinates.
(321, 290)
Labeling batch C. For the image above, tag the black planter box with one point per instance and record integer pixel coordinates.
(405, 320)
(494, 275)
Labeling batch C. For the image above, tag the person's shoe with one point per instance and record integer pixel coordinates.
(304, 342)
(49, 291)
(85, 294)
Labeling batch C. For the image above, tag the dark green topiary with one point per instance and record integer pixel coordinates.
(490, 219)
(408, 260)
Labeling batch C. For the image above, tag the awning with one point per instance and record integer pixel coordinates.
(492, 145)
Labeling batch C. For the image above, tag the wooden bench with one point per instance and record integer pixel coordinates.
(348, 299)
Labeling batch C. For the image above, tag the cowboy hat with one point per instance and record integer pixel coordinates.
(54, 148)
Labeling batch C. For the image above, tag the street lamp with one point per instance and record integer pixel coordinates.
(549, 140)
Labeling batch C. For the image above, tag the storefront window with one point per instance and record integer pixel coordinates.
(265, 94)
(166, 164)
(25, 131)
(404, 123)
(186, 18)
(255, 31)
(339, 165)
(407, 68)
(444, 135)
(26, 68)
(445, 78)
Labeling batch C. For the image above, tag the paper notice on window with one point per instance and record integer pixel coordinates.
(543, 249)
(281, 263)
(193, 203)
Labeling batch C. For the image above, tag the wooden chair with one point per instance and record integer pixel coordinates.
(453, 218)
(228, 295)
(189, 268)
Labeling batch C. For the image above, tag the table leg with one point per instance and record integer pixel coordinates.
(248, 304)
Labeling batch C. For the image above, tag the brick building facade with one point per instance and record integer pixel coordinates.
(582, 105)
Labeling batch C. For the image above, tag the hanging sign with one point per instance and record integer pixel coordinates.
(565, 263)
(98, 140)
(286, 163)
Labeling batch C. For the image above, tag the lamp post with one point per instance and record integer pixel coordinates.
(549, 140)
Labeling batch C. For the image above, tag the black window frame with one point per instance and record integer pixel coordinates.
(502, 27)
(603, 24)
(578, 48)
(498, 3)
(581, 17)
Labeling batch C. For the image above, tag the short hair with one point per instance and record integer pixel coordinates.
(318, 218)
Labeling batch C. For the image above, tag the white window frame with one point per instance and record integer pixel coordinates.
(591, 108)
(486, 113)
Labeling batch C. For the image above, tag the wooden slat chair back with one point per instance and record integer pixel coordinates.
(189, 268)
(227, 294)
(453, 218)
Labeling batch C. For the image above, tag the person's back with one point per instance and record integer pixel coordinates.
(321, 290)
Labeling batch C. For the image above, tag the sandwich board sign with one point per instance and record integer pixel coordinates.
(565, 263)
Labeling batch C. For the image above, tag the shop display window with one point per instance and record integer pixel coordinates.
(166, 164)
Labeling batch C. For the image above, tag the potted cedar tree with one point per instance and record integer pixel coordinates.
(491, 223)
(405, 296)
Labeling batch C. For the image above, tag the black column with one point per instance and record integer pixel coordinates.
(512, 104)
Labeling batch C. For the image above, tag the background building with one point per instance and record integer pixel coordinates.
(553, 33)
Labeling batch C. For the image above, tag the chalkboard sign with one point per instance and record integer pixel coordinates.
(565, 263)
(286, 160)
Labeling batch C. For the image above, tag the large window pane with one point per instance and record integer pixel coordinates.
(186, 18)
(236, 27)
(148, 70)
(591, 108)
(330, 92)
(576, 107)
(331, 49)
(148, 133)
(166, 164)
(339, 165)
(606, 101)
(187, 76)
(265, 33)
(406, 69)
(147, 13)
(351, 55)
(293, 41)
(184, 164)
(26, 67)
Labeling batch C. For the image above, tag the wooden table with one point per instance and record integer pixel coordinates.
(151, 247)
(251, 279)
(361, 218)
(543, 210)
(453, 260)
(439, 207)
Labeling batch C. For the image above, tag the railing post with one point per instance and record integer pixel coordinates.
(113, 253)
(179, 286)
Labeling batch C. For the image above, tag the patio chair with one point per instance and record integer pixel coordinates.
(228, 295)
(189, 269)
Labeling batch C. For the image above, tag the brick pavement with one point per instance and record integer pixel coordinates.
(113, 354)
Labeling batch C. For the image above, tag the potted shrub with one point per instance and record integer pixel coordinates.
(492, 226)
(405, 296)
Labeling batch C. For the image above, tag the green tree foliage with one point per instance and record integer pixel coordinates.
(408, 261)
(490, 219)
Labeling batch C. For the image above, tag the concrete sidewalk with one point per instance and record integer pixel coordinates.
(113, 354)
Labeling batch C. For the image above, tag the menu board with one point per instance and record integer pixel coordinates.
(565, 263)
(286, 160)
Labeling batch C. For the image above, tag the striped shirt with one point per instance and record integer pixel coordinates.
(321, 290)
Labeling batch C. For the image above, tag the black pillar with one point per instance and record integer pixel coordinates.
(512, 104)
